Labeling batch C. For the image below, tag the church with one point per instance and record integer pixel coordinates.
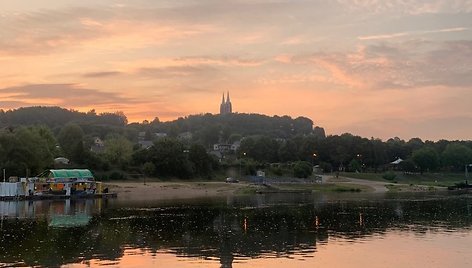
(225, 106)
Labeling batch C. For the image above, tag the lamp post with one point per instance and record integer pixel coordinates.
(240, 165)
(313, 160)
(359, 156)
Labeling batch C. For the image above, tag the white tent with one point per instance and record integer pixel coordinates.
(396, 162)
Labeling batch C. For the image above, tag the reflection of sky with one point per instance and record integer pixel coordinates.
(375, 68)
(424, 229)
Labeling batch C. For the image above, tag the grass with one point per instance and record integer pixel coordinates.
(410, 188)
(428, 179)
(325, 187)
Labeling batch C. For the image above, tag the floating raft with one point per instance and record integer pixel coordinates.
(56, 196)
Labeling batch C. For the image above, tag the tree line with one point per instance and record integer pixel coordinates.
(348, 152)
(31, 138)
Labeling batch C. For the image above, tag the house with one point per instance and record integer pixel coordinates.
(160, 135)
(221, 147)
(235, 146)
(145, 144)
(141, 135)
(260, 173)
(98, 146)
(185, 136)
(226, 147)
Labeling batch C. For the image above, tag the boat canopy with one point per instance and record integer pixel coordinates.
(68, 174)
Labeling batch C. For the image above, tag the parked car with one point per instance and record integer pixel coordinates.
(231, 180)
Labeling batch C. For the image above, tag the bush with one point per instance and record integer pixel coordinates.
(277, 171)
(302, 169)
(326, 167)
(390, 176)
(149, 169)
(117, 175)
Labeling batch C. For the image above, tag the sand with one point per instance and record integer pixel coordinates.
(140, 191)
(172, 190)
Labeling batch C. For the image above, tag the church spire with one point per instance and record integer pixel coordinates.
(226, 107)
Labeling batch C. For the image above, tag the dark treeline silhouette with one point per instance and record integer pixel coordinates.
(31, 138)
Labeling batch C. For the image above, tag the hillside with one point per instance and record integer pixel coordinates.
(205, 128)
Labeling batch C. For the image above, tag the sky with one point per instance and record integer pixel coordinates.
(374, 68)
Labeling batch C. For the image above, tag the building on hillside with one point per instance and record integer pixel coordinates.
(98, 146)
(160, 135)
(142, 135)
(235, 146)
(221, 147)
(226, 107)
(185, 136)
(145, 144)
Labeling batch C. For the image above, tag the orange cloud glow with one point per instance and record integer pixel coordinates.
(350, 67)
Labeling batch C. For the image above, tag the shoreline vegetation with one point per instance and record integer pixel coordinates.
(154, 189)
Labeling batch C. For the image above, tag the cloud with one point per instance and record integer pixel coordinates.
(153, 23)
(431, 128)
(101, 74)
(176, 71)
(402, 34)
(43, 32)
(40, 32)
(68, 95)
(396, 65)
(413, 7)
(221, 60)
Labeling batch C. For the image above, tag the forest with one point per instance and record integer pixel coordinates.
(31, 138)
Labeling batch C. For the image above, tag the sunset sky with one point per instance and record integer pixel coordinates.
(373, 68)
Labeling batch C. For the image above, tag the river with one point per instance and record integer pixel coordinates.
(273, 230)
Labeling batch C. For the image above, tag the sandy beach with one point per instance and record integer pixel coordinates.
(172, 190)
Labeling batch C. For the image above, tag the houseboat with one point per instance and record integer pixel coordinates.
(54, 184)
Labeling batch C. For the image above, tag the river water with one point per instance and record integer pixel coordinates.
(304, 230)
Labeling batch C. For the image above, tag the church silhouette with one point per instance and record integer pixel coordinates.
(225, 106)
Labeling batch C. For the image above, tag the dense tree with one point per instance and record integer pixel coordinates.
(71, 139)
(263, 139)
(40, 142)
(288, 152)
(204, 163)
(302, 169)
(426, 159)
(149, 169)
(354, 165)
(15, 157)
(24, 148)
(408, 165)
(170, 158)
(118, 151)
(457, 156)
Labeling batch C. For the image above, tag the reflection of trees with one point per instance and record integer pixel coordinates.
(225, 232)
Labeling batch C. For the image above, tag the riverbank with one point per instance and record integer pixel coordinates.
(168, 190)
(173, 190)
(128, 190)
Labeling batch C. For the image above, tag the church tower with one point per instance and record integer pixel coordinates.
(223, 105)
(229, 106)
(226, 107)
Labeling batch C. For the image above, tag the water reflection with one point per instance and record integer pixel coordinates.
(219, 232)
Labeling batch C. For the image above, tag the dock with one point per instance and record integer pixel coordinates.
(58, 197)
